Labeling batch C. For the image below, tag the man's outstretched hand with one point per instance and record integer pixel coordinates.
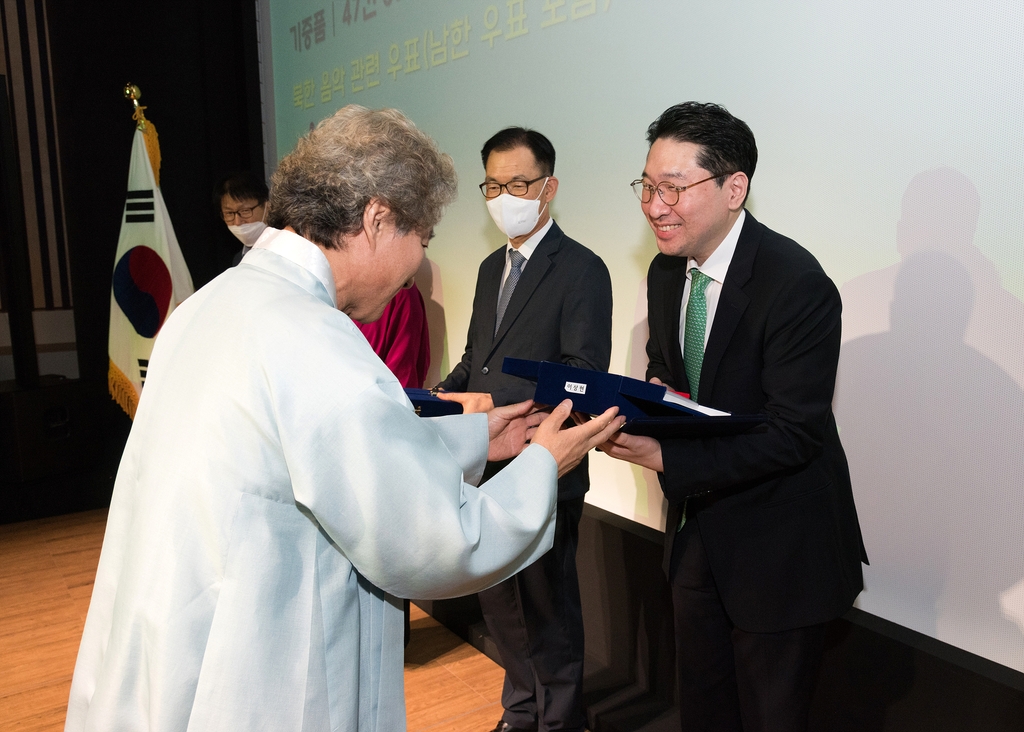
(637, 449)
(472, 401)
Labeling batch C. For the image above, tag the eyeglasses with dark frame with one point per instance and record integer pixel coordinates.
(668, 193)
(243, 213)
(518, 188)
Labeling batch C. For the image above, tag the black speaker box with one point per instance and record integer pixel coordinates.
(48, 430)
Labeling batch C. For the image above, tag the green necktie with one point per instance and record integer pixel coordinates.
(693, 342)
(696, 325)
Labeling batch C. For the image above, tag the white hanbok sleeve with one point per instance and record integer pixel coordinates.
(394, 492)
(465, 441)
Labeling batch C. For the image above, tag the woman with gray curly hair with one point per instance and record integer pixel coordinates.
(357, 155)
(278, 492)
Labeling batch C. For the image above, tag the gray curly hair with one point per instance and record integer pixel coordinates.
(321, 188)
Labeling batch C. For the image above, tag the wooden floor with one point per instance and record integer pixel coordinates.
(46, 574)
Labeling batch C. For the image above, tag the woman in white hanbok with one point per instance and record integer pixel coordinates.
(277, 491)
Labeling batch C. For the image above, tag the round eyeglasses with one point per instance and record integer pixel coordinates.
(668, 193)
(492, 189)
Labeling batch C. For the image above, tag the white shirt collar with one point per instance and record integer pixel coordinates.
(527, 247)
(717, 265)
(302, 252)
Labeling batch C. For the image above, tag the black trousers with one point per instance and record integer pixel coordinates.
(731, 680)
(536, 621)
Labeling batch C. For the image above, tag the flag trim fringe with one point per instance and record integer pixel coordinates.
(149, 135)
(121, 390)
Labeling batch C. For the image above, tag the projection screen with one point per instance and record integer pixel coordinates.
(890, 141)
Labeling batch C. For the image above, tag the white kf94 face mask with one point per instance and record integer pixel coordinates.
(516, 216)
(248, 233)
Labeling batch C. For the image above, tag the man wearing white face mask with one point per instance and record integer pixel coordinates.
(241, 199)
(542, 296)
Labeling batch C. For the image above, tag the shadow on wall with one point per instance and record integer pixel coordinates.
(931, 410)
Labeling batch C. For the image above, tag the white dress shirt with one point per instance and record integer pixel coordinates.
(526, 249)
(716, 267)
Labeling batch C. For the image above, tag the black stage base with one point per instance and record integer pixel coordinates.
(876, 676)
(61, 445)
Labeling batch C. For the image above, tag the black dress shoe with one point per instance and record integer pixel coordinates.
(504, 726)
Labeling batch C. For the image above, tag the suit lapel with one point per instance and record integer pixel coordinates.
(674, 357)
(731, 304)
(534, 271)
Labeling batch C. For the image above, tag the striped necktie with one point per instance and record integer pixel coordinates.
(510, 284)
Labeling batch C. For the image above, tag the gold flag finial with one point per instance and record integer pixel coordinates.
(134, 93)
(131, 91)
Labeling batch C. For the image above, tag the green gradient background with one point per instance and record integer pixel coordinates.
(848, 104)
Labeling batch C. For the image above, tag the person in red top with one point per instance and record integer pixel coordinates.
(401, 338)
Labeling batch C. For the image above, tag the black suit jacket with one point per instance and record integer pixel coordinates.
(775, 506)
(561, 310)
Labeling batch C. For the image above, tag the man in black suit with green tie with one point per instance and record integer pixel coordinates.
(763, 546)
